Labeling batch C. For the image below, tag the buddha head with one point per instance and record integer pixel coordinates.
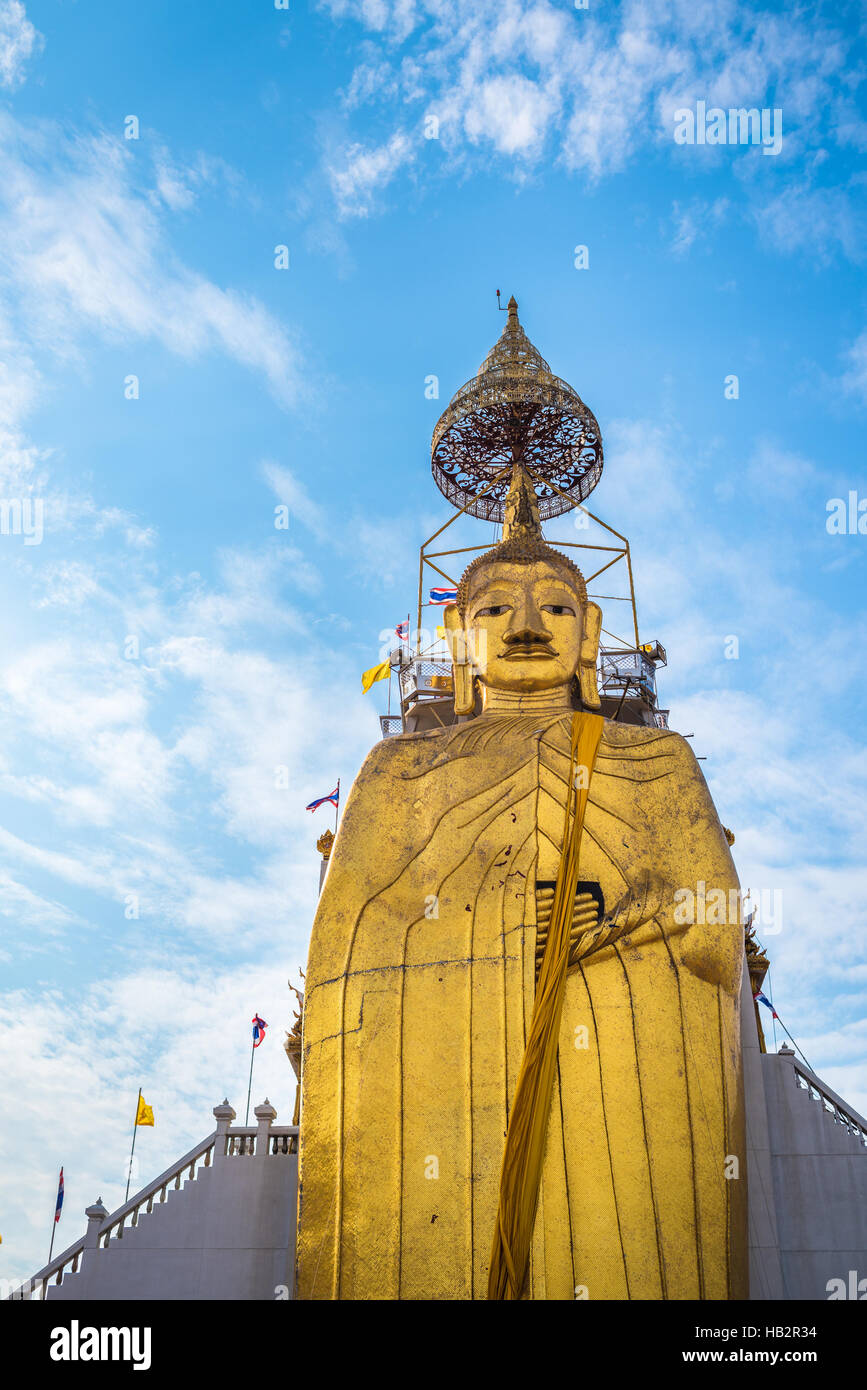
(522, 622)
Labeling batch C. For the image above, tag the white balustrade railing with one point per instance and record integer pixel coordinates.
(830, 1102)
(226, 1141)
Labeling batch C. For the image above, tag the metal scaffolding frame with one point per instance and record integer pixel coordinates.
(618, 553)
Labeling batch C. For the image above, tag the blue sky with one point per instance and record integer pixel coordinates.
(154, 257)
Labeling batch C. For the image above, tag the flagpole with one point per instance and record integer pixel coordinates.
(250, 1084)
(53, 1229)
(337, 802)
(777, 1019)
(132, 1150)
(791, 1039)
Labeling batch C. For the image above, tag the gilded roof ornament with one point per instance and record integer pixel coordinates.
(515, 410)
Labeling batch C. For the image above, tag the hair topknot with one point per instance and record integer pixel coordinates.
(519, 551)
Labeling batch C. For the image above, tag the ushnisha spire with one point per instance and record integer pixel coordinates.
(521, 522)
(515, 410)
(522, 541)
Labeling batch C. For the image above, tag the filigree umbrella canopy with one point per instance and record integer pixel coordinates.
(515, 409)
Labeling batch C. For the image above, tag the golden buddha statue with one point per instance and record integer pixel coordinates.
(521, 1069)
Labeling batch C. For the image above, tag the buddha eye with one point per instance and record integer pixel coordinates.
(493, 611)
(561, 609)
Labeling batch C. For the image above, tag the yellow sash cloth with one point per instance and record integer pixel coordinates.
(521, 1172)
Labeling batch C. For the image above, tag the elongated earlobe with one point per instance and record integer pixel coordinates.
(589, 652)
(465, 694)
(462, 666)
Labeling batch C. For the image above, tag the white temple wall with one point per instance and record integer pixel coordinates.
(820, 1186)
(229, 1233)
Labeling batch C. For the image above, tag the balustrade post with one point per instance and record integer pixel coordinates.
(95, 1217)
(265, 1116)
(224, 1115)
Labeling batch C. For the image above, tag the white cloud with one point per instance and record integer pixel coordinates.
(179, 186)
(19, 378)
(511, 112)
(694, 219)
(356, 172)
(31, 909)
(531, 82)
(68, 584)
(779, 471)
(252, 715)
(62, 691)
(173, 187)
(19, 40)
(86, 250)
(155, 777)
(24, 474)
(292, 494)
(854, 379)
(191, 729)
(370, 82)
(820, 221)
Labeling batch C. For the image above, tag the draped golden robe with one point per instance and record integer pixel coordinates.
(419, 990)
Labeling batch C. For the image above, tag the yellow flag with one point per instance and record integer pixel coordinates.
(441, 632)
(376, 673)
(145, 1115)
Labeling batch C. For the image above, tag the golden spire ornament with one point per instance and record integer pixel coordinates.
(515, 410)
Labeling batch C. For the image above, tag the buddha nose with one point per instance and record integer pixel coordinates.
(527, 627)
(527, 637)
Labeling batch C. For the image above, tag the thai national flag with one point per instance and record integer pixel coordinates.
(763, 1000)
(259, 1026)
(443, 596)
(333, 797)
(59, 1197)
(402, 631)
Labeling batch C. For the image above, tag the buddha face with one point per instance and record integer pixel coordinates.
(524, 626)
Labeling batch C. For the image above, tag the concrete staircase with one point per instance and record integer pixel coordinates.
(218, 1224)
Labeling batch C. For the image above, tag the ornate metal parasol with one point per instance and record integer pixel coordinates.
(515, 409)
